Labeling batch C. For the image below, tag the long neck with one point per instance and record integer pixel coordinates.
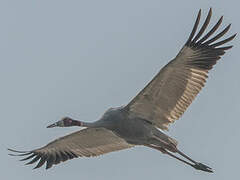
(84, 124)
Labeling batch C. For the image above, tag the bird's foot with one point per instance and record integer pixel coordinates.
(200, 166)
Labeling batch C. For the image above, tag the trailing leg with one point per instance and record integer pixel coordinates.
(196, 165)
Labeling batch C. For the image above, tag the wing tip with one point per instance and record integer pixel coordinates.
(196, 41)
(194, 27)
(17, 151)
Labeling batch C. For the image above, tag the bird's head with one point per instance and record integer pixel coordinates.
(65, 122)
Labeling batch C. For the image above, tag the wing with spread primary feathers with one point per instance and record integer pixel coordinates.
(172, 90)
(87, 142)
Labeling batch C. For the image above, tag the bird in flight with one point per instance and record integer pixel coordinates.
(143, 120)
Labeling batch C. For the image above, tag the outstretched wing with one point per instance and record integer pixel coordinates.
(172, 90)
(87, 142)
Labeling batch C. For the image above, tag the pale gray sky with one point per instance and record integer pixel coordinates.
(78, 58)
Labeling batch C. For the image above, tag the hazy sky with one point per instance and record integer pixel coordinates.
(78, 58)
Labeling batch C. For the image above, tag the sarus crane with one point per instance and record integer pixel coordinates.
(143, 120)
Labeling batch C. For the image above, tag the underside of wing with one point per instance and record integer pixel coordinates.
(172, 90)
(84, 143)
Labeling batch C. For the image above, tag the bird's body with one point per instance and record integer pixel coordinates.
(132, 129)
(159, 104)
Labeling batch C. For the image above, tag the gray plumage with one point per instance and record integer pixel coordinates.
(160, 103)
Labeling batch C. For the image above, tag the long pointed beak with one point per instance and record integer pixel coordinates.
(52, 125)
